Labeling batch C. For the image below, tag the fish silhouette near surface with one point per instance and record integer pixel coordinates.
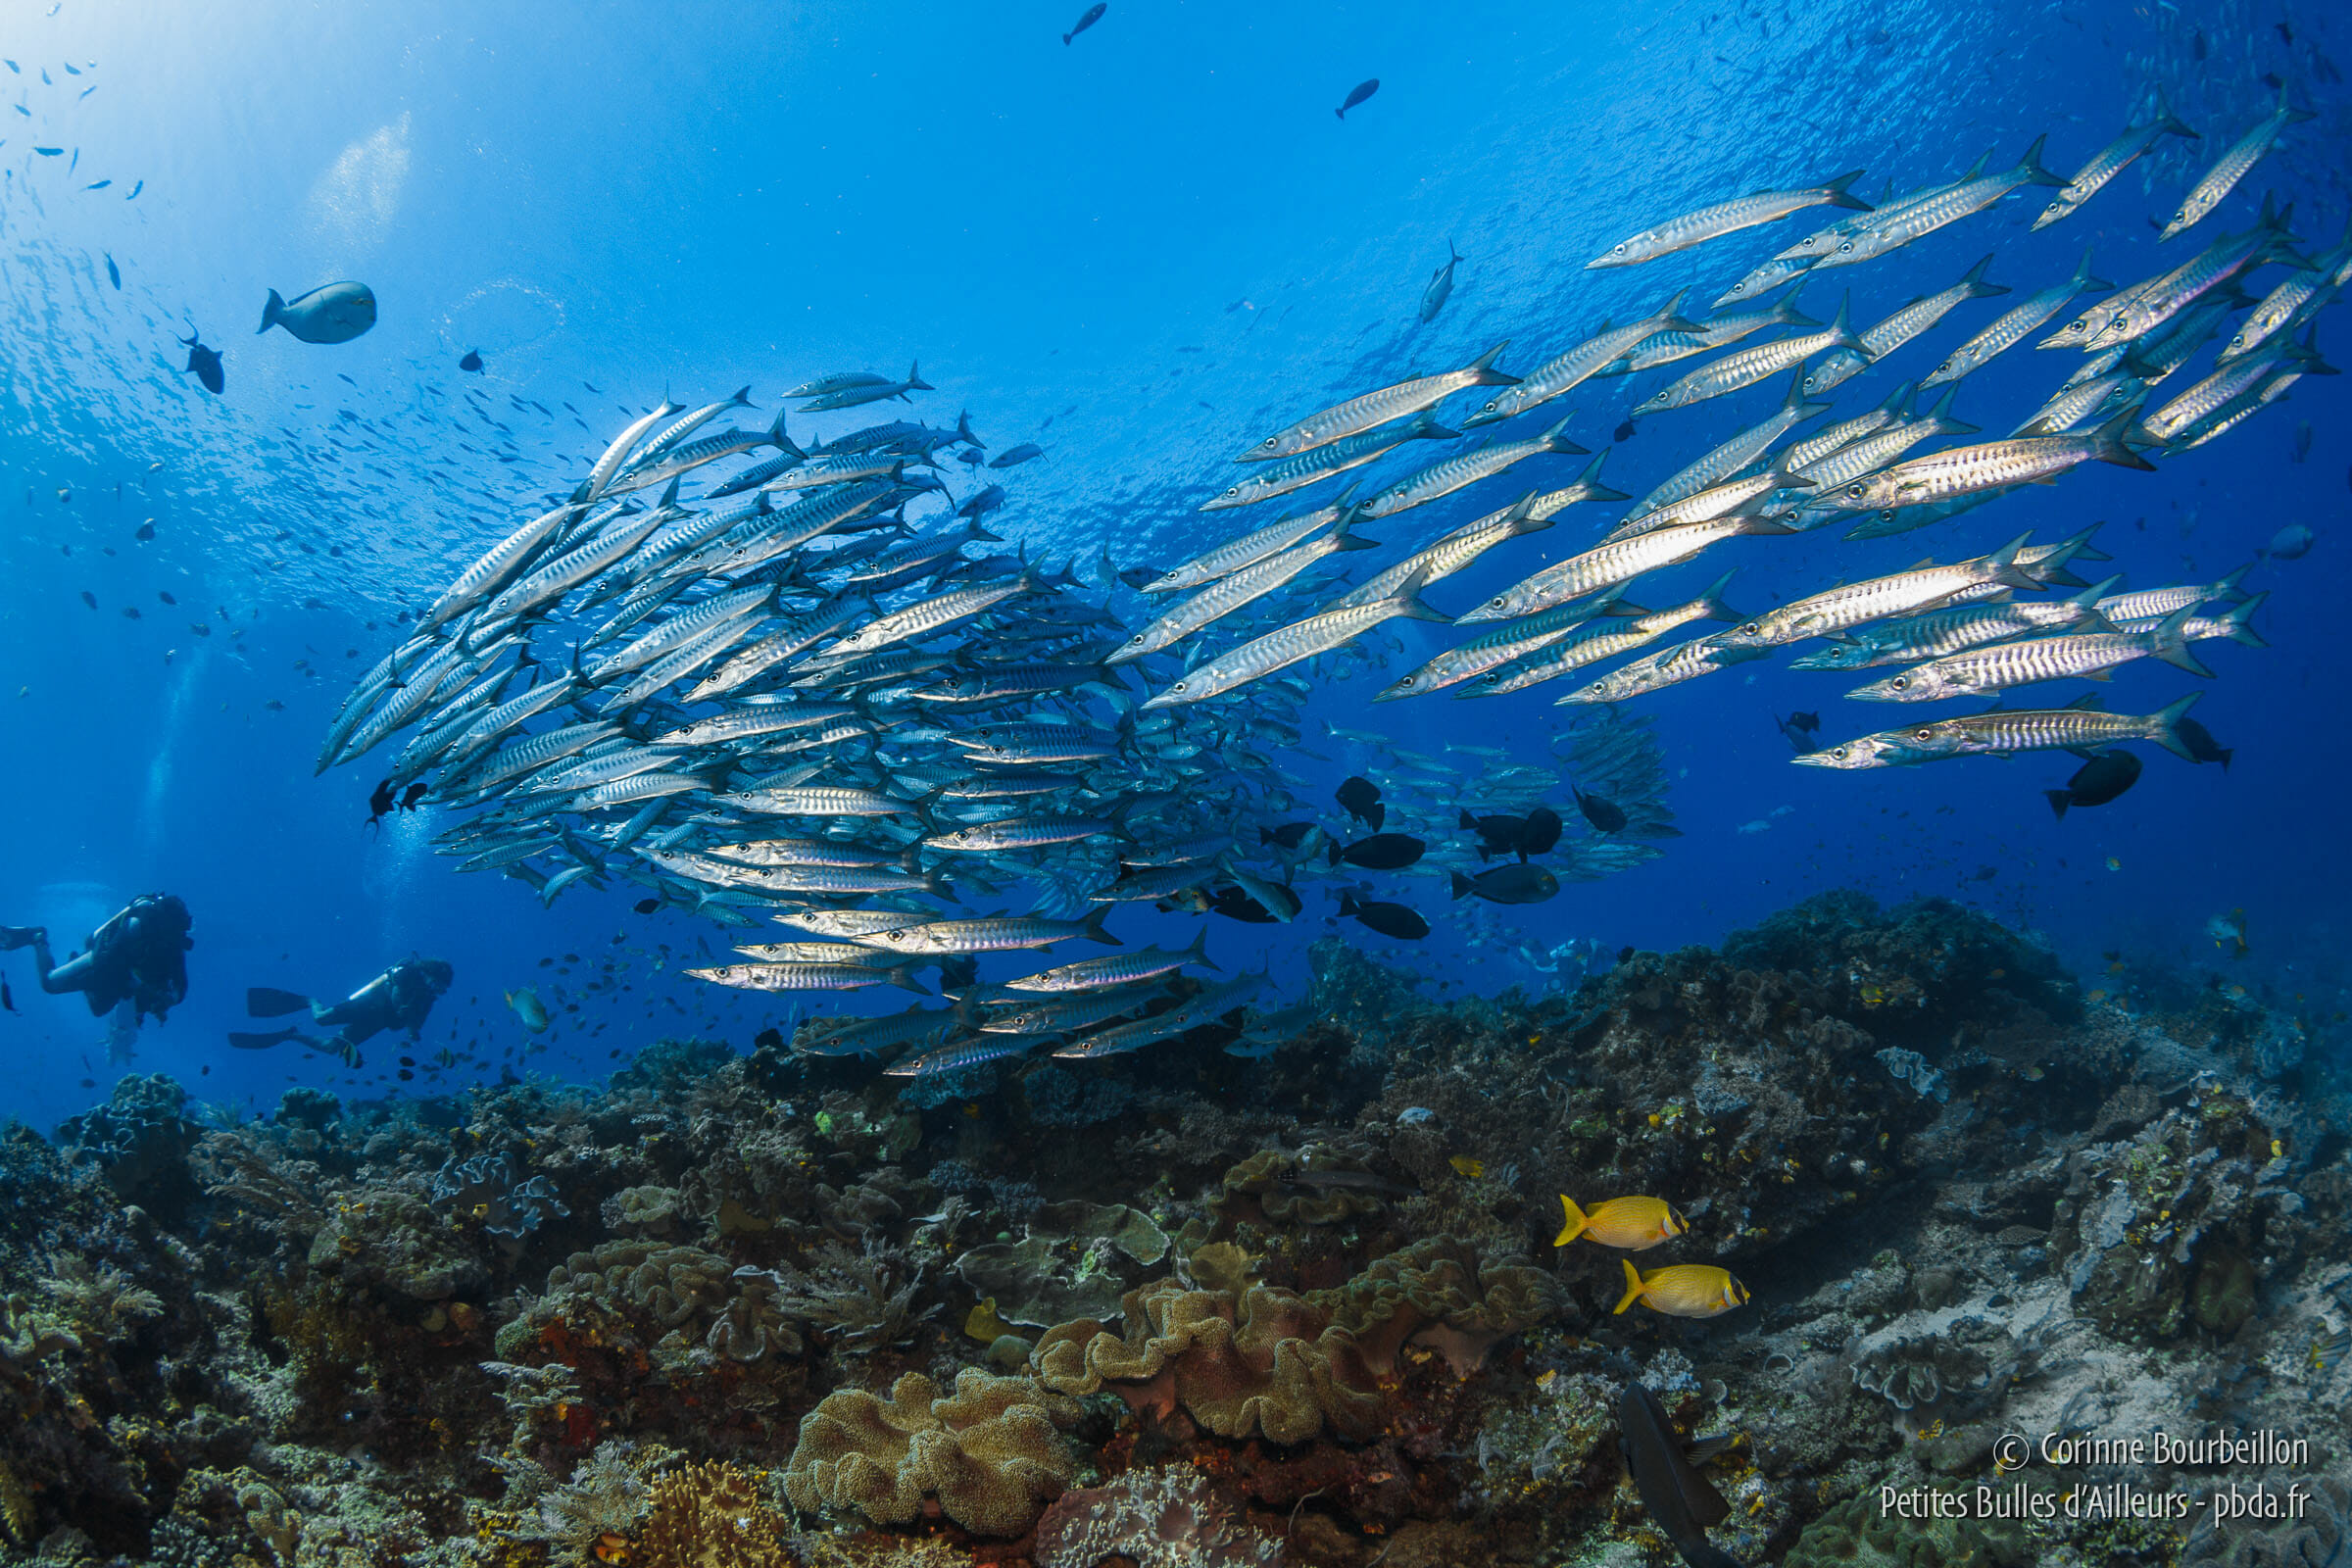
(1094, 14)
(336, 313)
(1358, 94)
(205, 362)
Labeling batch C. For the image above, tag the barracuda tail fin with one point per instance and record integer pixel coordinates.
(1942, 414)
(2029, 169)
(1974, 281)
(1668, 317)
(779, 440)
(2084, 282)
(1795, 404)
(1556, 439)
(914, 369)
(1091, 928)
(1711, 604)
(1589, 483)
(2001, 566)
(2108, 443)
(2169, 643)
(2163, 727)
(904, 980)
(1839, 196)
(2166, 122)
(1484, 366)
(2237, 621)
(1842, 327)
(1197, 952)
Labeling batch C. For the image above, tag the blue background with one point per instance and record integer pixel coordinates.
(1141, 250)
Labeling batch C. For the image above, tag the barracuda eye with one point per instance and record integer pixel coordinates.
(1494, 603)
(1137, 638)
(1901, 683)
(1617, 250)
(1840, 752)
(1273, 441)
(1923, 736)
(1846, 249)
(2119, 320)
(1233, 491)
(1857, 491)
(1179, 686)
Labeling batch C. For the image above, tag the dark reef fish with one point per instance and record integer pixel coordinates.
(1358, 94)
(1094, 14)
(1539, 832)
(1497, 834)
(472, 359)
(2096, 782)
(2201, 744)
(1389, 920)
(381, 802)
(1605, 816)
(205, 363)
(1802, 730)
(1361, 798)
(1509, 884)
(1381, 851)
(113, 273)
(1683, 1504)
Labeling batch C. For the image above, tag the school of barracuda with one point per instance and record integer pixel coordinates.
(786, 703)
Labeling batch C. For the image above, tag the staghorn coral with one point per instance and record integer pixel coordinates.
(1269, 1362)
(1172, 1517)
(988, 1453)
(711, 1516)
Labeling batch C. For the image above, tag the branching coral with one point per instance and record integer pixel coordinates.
(1166, 1518)
(990, 1452)
(604, 1496)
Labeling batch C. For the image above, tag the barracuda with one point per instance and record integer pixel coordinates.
(1726, 217)
(1610, 564)
(1596, 641)
(2231, 167)
(1461, 547)
(780, 532)
(600, 475)
(685, 459)
(1515, 639)
(1871, 453)
(503, 559)
(1918, 220)
(1021, 833)
(2084, 728)
(1988, 465)
(683, 627)
(1279, 650)
(1295, 472)
(1564, 372)
(1802, 455)
(2109, 161)
(1070, 1014)
(1963, 626)
(1744, 367)
(2154, 603)
(817, 801)
(1733, 497)
(1251, 548)
(568, 570)
(1839, 365)
(2027, 317)
(919, 1026)
(1360, 415)
(999, 934)
(2067, 656)
(1206, 1007)
(1444, 477)
(806, 977)
(1702, 656)
(778, 646)
(1114, 969)
(1734, 454)
(1821, 242)
(2156, 302)
(1903, 593)
(830, 953)
(1232, 591)
(746, 724)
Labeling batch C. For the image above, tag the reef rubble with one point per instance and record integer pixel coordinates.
(1300, 1308)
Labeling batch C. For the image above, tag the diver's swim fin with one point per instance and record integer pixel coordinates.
(267, 1001)
(264, 1042)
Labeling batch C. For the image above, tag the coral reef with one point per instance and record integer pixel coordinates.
(1297, 1305)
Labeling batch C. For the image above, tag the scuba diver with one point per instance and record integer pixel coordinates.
(401, 998)
(136, 959)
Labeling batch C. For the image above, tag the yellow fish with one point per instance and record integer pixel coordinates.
(1633, 1223)
(1682, 1290)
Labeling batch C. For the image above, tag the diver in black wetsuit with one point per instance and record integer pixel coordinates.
(139, 957)
(401, 998)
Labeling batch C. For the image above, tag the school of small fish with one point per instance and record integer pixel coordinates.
(785, 702)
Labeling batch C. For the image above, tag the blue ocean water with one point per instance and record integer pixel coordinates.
(1141, 250)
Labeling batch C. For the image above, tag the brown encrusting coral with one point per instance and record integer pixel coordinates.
(1188, 1307)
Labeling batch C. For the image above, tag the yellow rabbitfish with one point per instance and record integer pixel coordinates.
(1633, 1223)
(1682, 1290)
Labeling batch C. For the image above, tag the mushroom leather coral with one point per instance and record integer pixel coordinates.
(989, 1452)
(1438, 1294)
(1269, 1362)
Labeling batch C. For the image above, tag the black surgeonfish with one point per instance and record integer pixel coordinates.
(1605, 816)
(205, 363)
(2096, 782)
(1361, 798)
(1680, 1502)
(1382, 852)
